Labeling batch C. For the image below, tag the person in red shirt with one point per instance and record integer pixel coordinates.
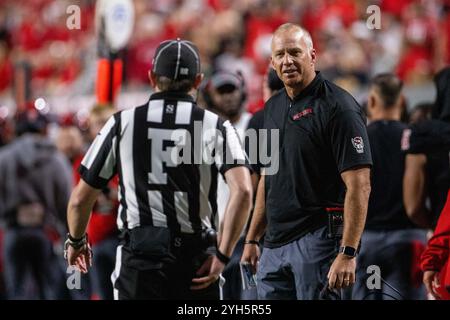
(6, 69)
(435, 259)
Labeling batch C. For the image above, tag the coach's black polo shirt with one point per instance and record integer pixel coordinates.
(322, 133)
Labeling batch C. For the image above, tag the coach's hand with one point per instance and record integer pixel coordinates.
(251, 255)
(213, 267)
(342, 272)
(80, 258)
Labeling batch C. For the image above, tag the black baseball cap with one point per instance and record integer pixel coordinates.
(31, 121)
(177, 60)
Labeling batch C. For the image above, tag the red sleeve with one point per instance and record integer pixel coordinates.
(75, 166)
(437, 252)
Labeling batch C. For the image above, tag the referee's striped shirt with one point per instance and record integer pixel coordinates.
(167, 153)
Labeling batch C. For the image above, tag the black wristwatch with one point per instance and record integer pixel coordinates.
(348, 251)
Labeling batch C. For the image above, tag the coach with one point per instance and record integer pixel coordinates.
(324, 169)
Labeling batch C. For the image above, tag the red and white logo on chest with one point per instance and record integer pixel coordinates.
(303, 113)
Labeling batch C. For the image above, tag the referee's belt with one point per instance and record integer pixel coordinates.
(157, 241)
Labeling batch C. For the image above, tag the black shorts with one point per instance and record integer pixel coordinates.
(169, 277)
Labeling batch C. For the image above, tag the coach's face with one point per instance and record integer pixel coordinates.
(292, 59)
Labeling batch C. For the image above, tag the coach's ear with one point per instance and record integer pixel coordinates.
(152, 78)
(198, 80)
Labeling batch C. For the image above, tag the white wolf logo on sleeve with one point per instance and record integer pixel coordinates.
(358, 143)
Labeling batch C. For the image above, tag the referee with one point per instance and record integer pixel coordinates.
(167, 154)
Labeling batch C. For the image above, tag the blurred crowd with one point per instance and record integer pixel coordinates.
(414, 39)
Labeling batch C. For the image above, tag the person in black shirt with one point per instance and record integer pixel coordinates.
(271, 85)
(427, 172)
(323, 169)
(390, 240)
(168, 154)
(427, 145)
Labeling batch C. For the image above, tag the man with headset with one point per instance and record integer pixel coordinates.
(225, 94)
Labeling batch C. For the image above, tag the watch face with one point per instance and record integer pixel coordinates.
(348, 251)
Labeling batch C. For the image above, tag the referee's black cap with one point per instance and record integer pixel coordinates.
(177, 60)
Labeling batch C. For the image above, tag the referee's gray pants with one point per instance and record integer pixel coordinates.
(297, 270)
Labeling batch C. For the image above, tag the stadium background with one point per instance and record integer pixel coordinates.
(413, 42)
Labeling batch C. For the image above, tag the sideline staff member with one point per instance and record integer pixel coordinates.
(324, 165)
(166, 205)
(390, 240)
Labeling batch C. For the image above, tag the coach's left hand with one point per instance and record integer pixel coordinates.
(342, 272)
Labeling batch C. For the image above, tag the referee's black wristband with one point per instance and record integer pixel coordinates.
(222, 258)
(251, 242)
(72, 239)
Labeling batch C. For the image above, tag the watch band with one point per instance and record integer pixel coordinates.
(72, 239)
(348, 251)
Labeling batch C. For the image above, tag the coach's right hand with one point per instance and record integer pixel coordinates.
(213, 267)
(251, 255)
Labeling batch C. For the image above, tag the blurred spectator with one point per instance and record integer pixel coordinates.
(386, 45)
(435, 259)
(428, 145)
(36, 185)
(226, 94)
(420, 113)
(6, 71)
(420, 28)
(271, 86)
(70, 142)
(390, 240)
(7, 127)
(427, 174)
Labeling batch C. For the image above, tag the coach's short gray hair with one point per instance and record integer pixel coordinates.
(291, 26)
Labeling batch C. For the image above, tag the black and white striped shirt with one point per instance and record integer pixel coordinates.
(167, 153)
